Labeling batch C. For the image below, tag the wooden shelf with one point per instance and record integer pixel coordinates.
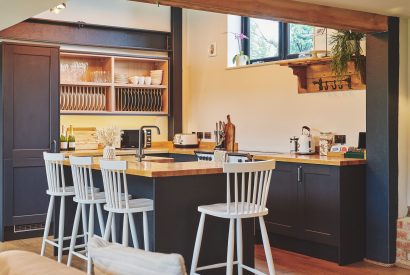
(303, 61)
(124, 113)
(117, 85)
(315, 75)
(138, 113)
(91, 84)
(68, 112)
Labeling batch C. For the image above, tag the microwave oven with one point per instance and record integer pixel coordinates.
(130, 139)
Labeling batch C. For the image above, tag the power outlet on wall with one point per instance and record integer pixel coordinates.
(208, 135)
(200, 135)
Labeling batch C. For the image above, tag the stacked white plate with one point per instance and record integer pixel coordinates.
(156, 77)
(120, 78)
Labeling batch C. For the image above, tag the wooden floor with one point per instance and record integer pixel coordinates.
(285, 262)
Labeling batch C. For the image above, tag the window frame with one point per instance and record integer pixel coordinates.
(283, 42)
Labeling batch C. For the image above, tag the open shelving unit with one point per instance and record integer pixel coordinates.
(87, 85)
(315, 75)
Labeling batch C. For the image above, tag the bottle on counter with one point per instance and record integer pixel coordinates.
(71, 139)
(63, 139)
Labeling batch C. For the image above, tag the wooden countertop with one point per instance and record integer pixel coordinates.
(312, 159)
(153, 168)
(118, 152)
(166, 147)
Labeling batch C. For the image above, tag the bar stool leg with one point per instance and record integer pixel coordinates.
(84, 219)
(133, 231)
(266, 246)
(61, 229)
(108, 227)
(47, 225)
(231, 243)
(198, 242)
(145, 228)
(74, 234)
(125, 230)
(239, 245)
(100, 219)
(90, 235)
(113, 229)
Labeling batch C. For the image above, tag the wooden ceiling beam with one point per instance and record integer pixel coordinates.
(287, 11)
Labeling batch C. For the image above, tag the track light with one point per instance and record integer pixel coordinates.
(57, 9)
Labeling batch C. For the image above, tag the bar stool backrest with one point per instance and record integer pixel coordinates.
(251, 186)
(115, 183)
(54, 171)
(82, 177)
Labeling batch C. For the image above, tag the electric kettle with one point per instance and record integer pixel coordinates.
(305, 142)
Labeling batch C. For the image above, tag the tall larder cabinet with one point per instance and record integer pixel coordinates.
(29, 126)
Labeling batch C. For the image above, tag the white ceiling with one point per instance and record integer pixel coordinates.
(15, 11)
(399, 8)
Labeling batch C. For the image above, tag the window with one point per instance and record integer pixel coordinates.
(273, 40)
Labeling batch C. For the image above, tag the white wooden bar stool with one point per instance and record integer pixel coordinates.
(250, 196)
(56, 188)
(85, 195)
(115, 181)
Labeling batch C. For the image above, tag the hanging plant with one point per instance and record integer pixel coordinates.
(346, 47)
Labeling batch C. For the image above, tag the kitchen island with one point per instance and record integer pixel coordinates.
(316, 203)
(177, 190)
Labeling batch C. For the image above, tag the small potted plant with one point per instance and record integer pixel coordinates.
(345, 48)
(63, 143)
(240, 59)
(71, 143)
(109, 137)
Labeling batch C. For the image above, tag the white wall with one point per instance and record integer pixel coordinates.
(403, 120)
(262, 100)
(121, 13)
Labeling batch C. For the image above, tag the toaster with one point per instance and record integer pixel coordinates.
(186, 141)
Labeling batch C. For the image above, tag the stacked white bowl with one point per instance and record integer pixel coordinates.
(156, 77)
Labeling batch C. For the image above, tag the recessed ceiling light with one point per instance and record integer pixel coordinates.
(58, 8)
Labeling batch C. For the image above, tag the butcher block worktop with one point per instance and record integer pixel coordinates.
(155, 167)
(168, 148)
(312, 159)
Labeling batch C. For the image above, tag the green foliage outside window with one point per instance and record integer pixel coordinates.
(300, 38)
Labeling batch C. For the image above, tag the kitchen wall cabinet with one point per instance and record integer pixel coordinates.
(99, 84)
(318, 210)
(30, 126)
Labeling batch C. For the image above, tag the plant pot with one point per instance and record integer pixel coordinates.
(109, 152)
(241, 60)
(63, 145)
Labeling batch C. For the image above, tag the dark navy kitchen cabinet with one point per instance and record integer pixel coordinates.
(30, 126)
(318, 210)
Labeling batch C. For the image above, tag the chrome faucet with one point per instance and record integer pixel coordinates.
(140, 150)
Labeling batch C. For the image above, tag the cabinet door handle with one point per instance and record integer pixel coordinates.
(300, 174)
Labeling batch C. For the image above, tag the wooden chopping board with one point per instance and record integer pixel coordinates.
(229, 135)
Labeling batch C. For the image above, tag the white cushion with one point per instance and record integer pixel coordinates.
(119, 260)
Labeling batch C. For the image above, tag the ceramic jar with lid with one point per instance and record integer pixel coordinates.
(325, 143)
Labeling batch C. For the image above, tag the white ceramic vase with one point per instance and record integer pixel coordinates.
(109, 152)
(241, 60)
